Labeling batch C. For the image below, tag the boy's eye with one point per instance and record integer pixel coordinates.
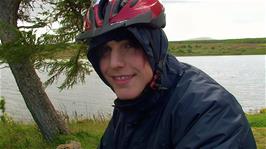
(128, 45)
(103, 51)
(131, 44)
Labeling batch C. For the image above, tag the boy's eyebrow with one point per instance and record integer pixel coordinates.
(101, 47)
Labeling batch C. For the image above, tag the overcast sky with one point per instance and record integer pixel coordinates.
(217, 19)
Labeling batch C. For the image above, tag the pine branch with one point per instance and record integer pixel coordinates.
(4, 67)
(39, 25)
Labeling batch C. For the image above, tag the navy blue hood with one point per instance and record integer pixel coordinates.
(155, 45)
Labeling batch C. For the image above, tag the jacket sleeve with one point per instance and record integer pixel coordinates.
(207, 116)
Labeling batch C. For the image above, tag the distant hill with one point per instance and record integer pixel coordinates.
(201, 38)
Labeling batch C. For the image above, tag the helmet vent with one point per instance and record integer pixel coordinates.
(107, 15)
(133, 3)
(117, 6)
(102, 8)
(123, 3)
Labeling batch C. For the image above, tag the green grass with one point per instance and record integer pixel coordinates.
(258, 124)
(260, 136)
(257, 120)
(27, 136)
(15, 135)
(249, 46)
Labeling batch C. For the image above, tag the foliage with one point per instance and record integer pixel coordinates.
(2, 104)
(69, 15)
(43, 50)
(263, 111)
(23, 48)
(4, 118)
(2, 108)
(74, 68)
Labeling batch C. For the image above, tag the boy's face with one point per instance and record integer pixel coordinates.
(126, 68)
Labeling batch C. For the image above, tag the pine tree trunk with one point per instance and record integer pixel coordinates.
(37, 101)
(28, 82)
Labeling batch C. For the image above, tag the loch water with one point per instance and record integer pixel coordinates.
(243, 76)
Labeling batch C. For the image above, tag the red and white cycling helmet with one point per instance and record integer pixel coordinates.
(107, 15)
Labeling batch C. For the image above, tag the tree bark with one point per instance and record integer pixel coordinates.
(28, 82)
(37, 101)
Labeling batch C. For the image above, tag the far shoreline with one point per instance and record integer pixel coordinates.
(247, 46)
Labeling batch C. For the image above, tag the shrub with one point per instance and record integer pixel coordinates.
(2, 104)
(2, 108)
(263, 110)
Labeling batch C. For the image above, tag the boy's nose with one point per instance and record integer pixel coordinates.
(116, 59)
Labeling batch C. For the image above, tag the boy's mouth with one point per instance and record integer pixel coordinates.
(122, 79)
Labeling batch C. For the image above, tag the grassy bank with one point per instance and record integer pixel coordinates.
(258, 124)
(250, 46)
(27, 136)
(14, 135)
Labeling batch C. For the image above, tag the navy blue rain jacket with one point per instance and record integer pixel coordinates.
(189, 110)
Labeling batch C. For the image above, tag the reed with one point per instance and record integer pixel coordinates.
(88, 131)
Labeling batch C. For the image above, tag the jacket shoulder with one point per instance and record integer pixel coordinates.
(204, 114)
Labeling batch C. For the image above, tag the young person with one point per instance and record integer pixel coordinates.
(161, 103)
